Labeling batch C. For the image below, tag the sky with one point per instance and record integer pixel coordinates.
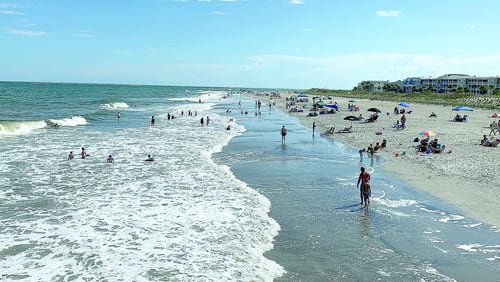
(286, 44)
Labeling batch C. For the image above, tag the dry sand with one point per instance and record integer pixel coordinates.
(467, 178)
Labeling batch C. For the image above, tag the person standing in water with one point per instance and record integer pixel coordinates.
(314, 126)
(71, 156)
(152, 120)
(364, 177)
(110, 159)
(118, 116)
(367, 192)
(83, 153)
(283, 135)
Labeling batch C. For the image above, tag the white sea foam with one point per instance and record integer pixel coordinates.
(19, 127)
(73, 121)
(395, 203)
(181, 217)
(451, 217)
(114, 106)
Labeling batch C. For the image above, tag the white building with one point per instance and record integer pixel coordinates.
(453, 82)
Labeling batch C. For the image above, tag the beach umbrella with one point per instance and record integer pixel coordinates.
(405, 105)
(375, 110)
(463, 108)
(427, 133)
(302, 95)
(333, 106)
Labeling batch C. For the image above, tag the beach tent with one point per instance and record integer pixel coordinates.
(463, 108)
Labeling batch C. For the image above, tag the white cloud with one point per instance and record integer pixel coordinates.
(389, 13)
(219, 13)
(85, 34)
(26, 32)
(296, 2)
(346, 70)
(8, 12)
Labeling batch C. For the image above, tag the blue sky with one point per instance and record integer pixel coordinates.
(247, 43)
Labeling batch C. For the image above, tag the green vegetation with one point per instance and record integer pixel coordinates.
(427, 97)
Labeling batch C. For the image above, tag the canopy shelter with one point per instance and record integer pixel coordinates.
(463, 108)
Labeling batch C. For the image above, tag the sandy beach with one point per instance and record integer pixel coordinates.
(464, 174)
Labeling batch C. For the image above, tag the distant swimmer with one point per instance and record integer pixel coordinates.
(118, 116)
(149, 159)
(152, 120)
(110, 159)
(83, 153)
(71, 156)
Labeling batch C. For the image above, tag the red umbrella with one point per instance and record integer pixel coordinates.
(427, 133)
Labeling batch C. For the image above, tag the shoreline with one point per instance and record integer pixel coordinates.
(463, 175)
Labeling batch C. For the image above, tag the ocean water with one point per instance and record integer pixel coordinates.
(216, 204)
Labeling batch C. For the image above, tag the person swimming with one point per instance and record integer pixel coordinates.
(149, 159)
(110, 159)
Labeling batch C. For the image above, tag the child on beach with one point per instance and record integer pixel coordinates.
(366, 193)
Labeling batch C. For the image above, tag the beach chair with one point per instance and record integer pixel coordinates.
(345, 130)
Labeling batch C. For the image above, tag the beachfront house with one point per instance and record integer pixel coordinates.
(461, 83)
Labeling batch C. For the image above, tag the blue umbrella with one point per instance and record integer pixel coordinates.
(302, 95)
(333, 106)
(463, 108)
(404, 105)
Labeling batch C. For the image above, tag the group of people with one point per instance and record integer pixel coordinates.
(371, 150)
(430, 146)
(364, 187)
(109, 159)
(459, 118)
(489, 143)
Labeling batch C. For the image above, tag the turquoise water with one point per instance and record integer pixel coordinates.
(216, 204)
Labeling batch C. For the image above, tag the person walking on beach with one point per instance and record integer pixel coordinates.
(403, 121)
(364, 177)
(283, 135)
